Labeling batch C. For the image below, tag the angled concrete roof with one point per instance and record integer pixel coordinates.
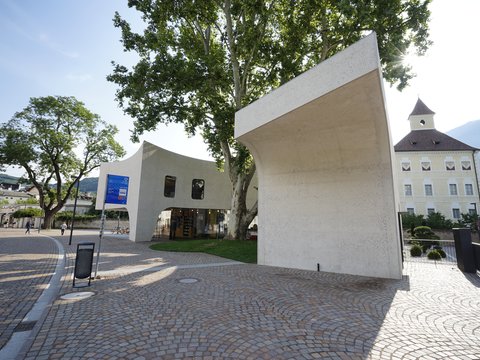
(430, 140)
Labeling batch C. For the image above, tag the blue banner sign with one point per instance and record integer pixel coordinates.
(117, 189)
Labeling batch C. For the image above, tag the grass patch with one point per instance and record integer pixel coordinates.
(244, 251)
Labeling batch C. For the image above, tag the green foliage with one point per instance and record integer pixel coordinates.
(67, 216)
(45, 138)
(28, 212)
(434, 255)
(469, 221)
(424, 232)
(200, 62)
(438, 221)
(410, 221)
(245, 251)
(416, 251)
(442, 253)
(31, 201)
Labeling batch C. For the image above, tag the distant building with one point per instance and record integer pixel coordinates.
(170, 194)
(435, 172)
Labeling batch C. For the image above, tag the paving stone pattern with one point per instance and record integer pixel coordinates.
(26, 266)
(258, 312)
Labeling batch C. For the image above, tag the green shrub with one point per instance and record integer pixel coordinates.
(409, 220)
(425, 232)
(434, 255)
(67, 216)
(28, 212)
(438, 221)
(442, 253)
(425, 248)
(416, 251)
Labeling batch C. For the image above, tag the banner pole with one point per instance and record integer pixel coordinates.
(102, 227)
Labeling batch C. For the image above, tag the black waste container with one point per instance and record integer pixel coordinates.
(464, 250)
(84, 262)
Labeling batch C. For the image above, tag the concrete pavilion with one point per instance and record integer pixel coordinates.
(323, 151)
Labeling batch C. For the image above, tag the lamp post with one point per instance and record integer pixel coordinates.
(74, 210)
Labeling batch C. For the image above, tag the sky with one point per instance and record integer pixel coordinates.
(66, 47)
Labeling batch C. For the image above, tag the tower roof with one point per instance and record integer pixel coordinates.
(421, 109)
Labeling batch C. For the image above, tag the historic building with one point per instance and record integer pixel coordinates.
(435, 172)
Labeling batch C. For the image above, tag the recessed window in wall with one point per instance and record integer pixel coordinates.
(405, 166)
(428, 190)
(408, 189)
(472, 212)
(430, 211)
(198, 188)
(456, 213)
(468, 189)
(169, 188)
(411, 211)
(426, 166)
(453, 189)
(450, 165)
(466, 165)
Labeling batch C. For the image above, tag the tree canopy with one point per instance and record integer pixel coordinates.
(201, 61)
(57, 141)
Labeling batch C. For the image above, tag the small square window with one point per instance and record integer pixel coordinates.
(198, 188)
(411, 211)
(468, 189)
(405, 166)
(456, 213)
(426, 166)
(169, 187)
(430, 211)
(472, 212)
(428, 190)
(408, 190)
(450, 165)
(453, 189)
(466, 165)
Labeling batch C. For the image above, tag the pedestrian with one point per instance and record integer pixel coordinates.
(63, 227)
(28, 226)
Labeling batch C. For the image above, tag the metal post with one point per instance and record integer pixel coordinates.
(74, 210)
(102, 226)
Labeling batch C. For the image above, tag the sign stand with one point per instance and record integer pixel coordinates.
(116, 191)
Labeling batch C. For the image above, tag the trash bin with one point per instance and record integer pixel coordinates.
(84, 262)
(464, 250)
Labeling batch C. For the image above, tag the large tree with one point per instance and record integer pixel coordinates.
(57, 141)
(201, 61)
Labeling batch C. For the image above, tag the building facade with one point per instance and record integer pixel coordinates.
(435, 172)
(195, 194)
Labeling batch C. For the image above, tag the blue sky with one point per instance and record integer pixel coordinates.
(66, 47)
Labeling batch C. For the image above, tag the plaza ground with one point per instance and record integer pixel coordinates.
(162, 305)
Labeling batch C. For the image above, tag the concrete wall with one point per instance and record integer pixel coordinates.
(324, 157)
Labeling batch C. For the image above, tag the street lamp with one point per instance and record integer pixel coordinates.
(74, 210)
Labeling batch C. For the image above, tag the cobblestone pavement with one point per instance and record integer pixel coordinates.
(26, 266)
(160, 305)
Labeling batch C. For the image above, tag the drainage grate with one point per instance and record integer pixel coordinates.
(25, 326)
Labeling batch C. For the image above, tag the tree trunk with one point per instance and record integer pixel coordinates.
(47, 221)
(240, 216)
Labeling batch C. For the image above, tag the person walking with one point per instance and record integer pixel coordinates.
(63, 228)
(28, 226)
